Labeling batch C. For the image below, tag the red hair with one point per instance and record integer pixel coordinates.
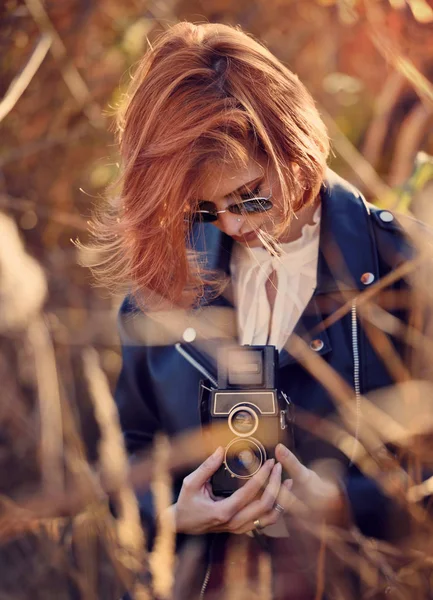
(201, 93)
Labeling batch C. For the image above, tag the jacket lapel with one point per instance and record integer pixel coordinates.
(347, 248)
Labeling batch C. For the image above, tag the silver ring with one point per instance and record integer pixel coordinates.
(278, 507)
(257, 524)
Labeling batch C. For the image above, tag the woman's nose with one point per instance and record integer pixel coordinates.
(230, 223)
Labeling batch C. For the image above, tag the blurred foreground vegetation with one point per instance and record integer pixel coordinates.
(368, 63)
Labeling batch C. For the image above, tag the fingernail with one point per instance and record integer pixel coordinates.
(277, 468)
(217, 451)
(283, 450)
(270, 462)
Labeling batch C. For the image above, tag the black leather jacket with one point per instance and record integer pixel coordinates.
(359, 245)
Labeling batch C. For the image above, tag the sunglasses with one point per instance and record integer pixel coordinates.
(207, 212)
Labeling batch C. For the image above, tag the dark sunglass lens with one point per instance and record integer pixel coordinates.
(255, 205)
(204, 217)
(209, 218)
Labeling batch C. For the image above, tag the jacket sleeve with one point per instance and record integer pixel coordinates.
(137, 405)
(374, 512)
(368, 506)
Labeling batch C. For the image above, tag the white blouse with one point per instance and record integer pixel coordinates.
(295, 276)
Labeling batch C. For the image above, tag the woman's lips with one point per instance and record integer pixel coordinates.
(247, 237)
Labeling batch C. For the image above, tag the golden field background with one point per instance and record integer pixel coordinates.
(63, 65)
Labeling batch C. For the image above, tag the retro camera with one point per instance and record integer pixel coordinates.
(246, 414)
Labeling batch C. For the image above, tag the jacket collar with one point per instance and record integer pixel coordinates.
(347, 249)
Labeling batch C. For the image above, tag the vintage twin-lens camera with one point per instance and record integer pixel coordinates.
(246, 414)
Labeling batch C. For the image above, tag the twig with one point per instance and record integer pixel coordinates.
(114, 469)
(64, 137)
(368, 294)
(23, 205)
(321, 564)
(162, 559)
(413, 130)
(379, 127)
(22, 81)
(356, 161)
(420, 491)
(392, 54)
(50, 407)
(71, 76)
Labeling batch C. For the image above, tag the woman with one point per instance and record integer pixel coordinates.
(226, 203)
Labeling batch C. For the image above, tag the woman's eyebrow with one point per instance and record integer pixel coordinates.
(248, 186)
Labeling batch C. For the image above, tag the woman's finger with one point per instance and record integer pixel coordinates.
(295, 469)
(259, 507)
(269, 518)
(288, 500)
(270, 492)
(247, 492)
(197, 479)
(288, 484)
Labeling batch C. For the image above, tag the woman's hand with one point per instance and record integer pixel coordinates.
(197, 512)
(308, 494)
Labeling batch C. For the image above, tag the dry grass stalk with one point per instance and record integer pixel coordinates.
(392, 52)
(114, 471)
(338, 389)
(74, 81)
(264, 577)
(51, 422)
(400, 272)
(85, 542)
(320, 579)
(361, 167)
(162, 558)
(43, 560)
(22, 81)
(236, 580)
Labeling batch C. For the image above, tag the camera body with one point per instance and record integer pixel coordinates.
(245, 414)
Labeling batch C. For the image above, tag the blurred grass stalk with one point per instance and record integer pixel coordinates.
(398, 415)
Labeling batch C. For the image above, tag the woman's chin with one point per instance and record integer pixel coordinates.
(248, 239)
(254, 243)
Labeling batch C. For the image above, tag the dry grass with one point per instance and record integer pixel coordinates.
(58, 536)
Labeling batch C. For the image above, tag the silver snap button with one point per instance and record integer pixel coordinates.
(367, 278)
(189, 334)
(316, 345)
(386, 216)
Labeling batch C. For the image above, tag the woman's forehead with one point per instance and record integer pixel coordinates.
(223, 179)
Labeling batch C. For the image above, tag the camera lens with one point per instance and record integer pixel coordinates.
(243, 421)
(244, 457)
(248, 459)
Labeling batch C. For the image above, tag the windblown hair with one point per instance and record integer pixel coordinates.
(203, 93)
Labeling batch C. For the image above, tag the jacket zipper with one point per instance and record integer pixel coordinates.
(206, 579)
(356, 378)
(208, 568)
(187, 356)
